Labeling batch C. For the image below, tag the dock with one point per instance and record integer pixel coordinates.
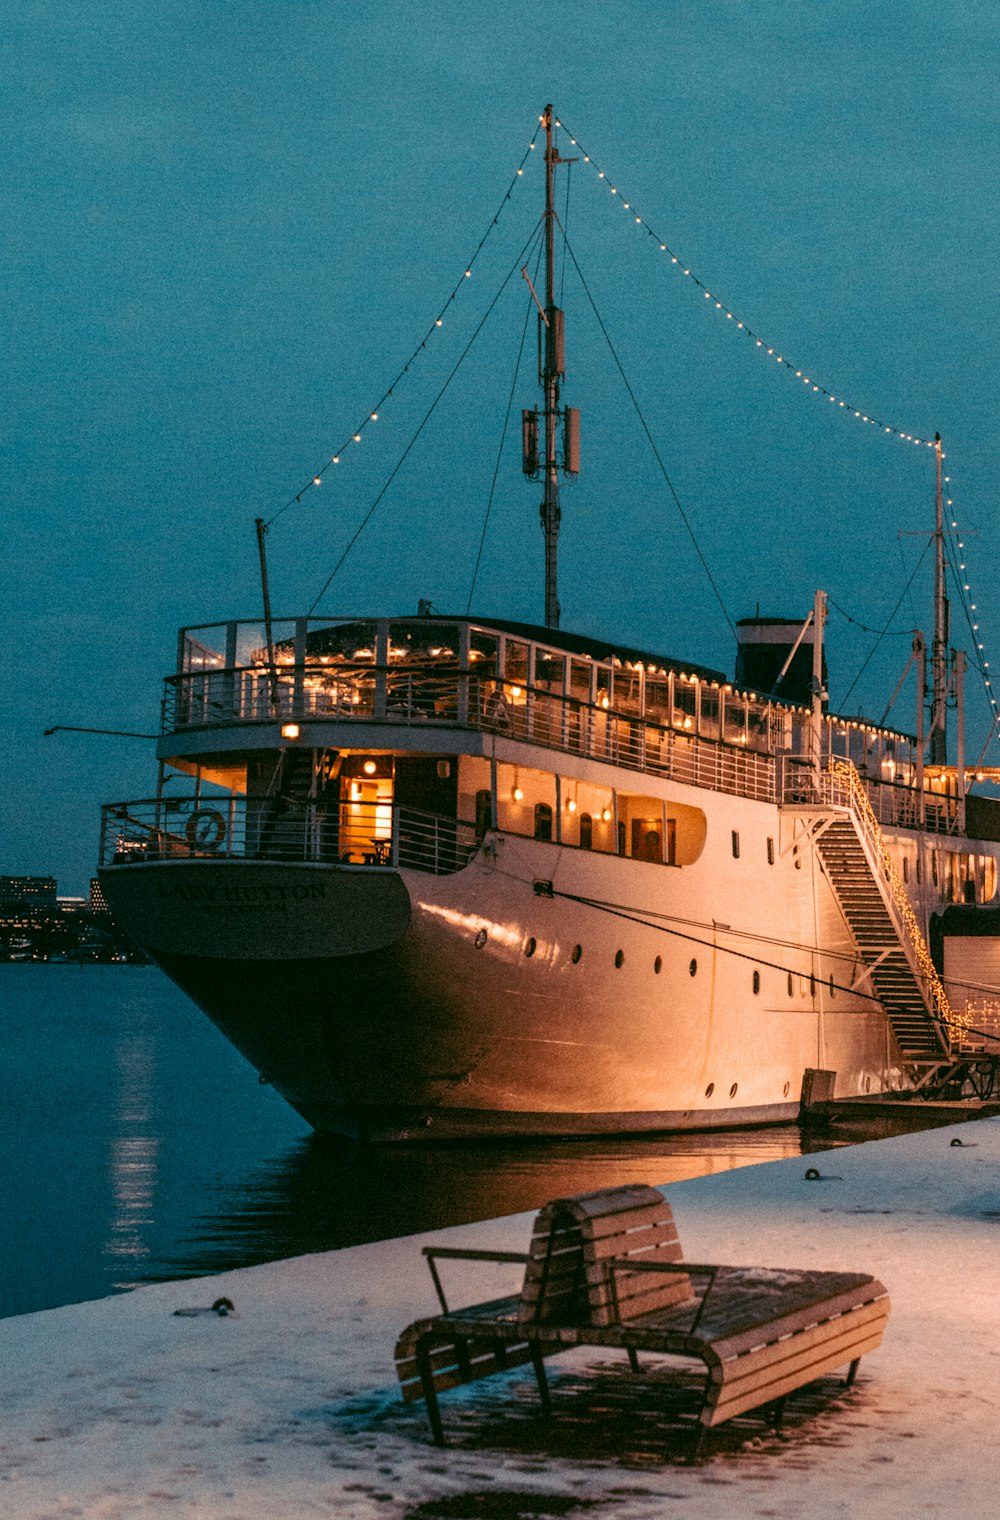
(288, 1407)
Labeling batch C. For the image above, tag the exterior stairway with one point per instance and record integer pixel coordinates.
(894, 982)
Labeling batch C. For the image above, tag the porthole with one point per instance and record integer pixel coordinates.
(693, 968)
(868, 1084)
(791, 988)
(481, 939)
(619, 959)
(709, 1090)
(812, 985)
(833, 990)
(733, 1089)
(756, 983)
(658, 965)
(577, 952)
(530, 947)
(785, 1089)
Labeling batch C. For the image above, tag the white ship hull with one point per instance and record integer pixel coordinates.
(397, 1004)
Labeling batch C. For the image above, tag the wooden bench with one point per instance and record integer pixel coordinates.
(606, 1269)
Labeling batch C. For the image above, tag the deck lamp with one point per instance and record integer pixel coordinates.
(290, 730)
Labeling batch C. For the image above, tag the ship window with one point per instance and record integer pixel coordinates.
(733, 1090)
(906, 869)
(577, 952)
(693, 968)
(530, 946)
(833, 990)
(543, 820)
(918, 871)
(785, 1089)
(709, 1090)
(736, 844)
(484, 809)
(586, 831)
(619, 959)
(791, 990)
(812, 986)
(756, 983)
(770, 851)
(658, 965)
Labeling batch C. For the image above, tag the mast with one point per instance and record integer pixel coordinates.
(939, 646)
(552, 369)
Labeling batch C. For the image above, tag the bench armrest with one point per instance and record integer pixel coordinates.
(456, 1253)
(686, 1268)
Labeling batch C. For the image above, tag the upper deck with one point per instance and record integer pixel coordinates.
(556, 690)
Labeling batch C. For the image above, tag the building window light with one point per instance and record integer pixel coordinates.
(290, 730)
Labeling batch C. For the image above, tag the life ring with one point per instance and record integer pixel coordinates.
(206, 829)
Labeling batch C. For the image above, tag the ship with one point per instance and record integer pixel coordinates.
(451, 878)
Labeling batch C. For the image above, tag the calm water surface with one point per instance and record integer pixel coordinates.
(136, 1145)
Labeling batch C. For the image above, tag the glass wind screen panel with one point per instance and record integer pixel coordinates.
(736, 718)
(685, 704)
(708, 725)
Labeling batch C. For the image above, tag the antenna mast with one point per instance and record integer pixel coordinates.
(551, 371)
(939, 646)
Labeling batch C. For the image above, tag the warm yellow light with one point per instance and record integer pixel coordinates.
(369, 767)
(516, 793)
(571, 804)
(289, 730)
(606, 815)
(515, 692)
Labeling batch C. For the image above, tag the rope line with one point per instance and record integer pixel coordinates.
(652, 444)
(427, 416)
(372, 415)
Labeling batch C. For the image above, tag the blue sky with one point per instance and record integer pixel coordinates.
(226, 227)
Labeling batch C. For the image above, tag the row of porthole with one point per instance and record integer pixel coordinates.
(709, 1090)
(576, 955)
(531, 945)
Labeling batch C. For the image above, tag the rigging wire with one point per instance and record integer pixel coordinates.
(715, 302)
(616, 910)
(503, 436)
(427, 415)
(373, 414)
(649, 437)
(868, 657)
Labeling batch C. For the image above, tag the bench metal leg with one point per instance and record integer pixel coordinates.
(430, 1392)
(538, 1362)
(633, 1359)
(778, 1412)
(701, 1434)
(852, 1372)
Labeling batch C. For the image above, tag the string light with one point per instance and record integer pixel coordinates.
(316, 478)
(971, 611)
(817, 388)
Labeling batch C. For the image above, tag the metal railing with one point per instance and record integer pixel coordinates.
(839, 785)
(893, 804)
(411, 698)
(279, 829)
(979, 1027)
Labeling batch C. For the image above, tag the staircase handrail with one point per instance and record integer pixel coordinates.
(844, 772)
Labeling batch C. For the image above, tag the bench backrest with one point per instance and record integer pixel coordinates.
(568, 1280)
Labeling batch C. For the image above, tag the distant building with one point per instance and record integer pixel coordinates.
(97, 902)
(33, 891)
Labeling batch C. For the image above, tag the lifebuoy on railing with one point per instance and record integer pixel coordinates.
(206, 829)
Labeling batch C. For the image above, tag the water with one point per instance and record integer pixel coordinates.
(136, 1145)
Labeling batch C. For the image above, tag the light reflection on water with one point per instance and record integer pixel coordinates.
(135, 1144)
(323, 1194)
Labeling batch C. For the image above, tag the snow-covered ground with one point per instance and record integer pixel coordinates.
(289, 1408)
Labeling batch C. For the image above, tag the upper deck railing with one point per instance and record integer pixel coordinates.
(686, 725)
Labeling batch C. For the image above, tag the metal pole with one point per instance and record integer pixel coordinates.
(271, 670)
(550, 513)
(939, 647)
